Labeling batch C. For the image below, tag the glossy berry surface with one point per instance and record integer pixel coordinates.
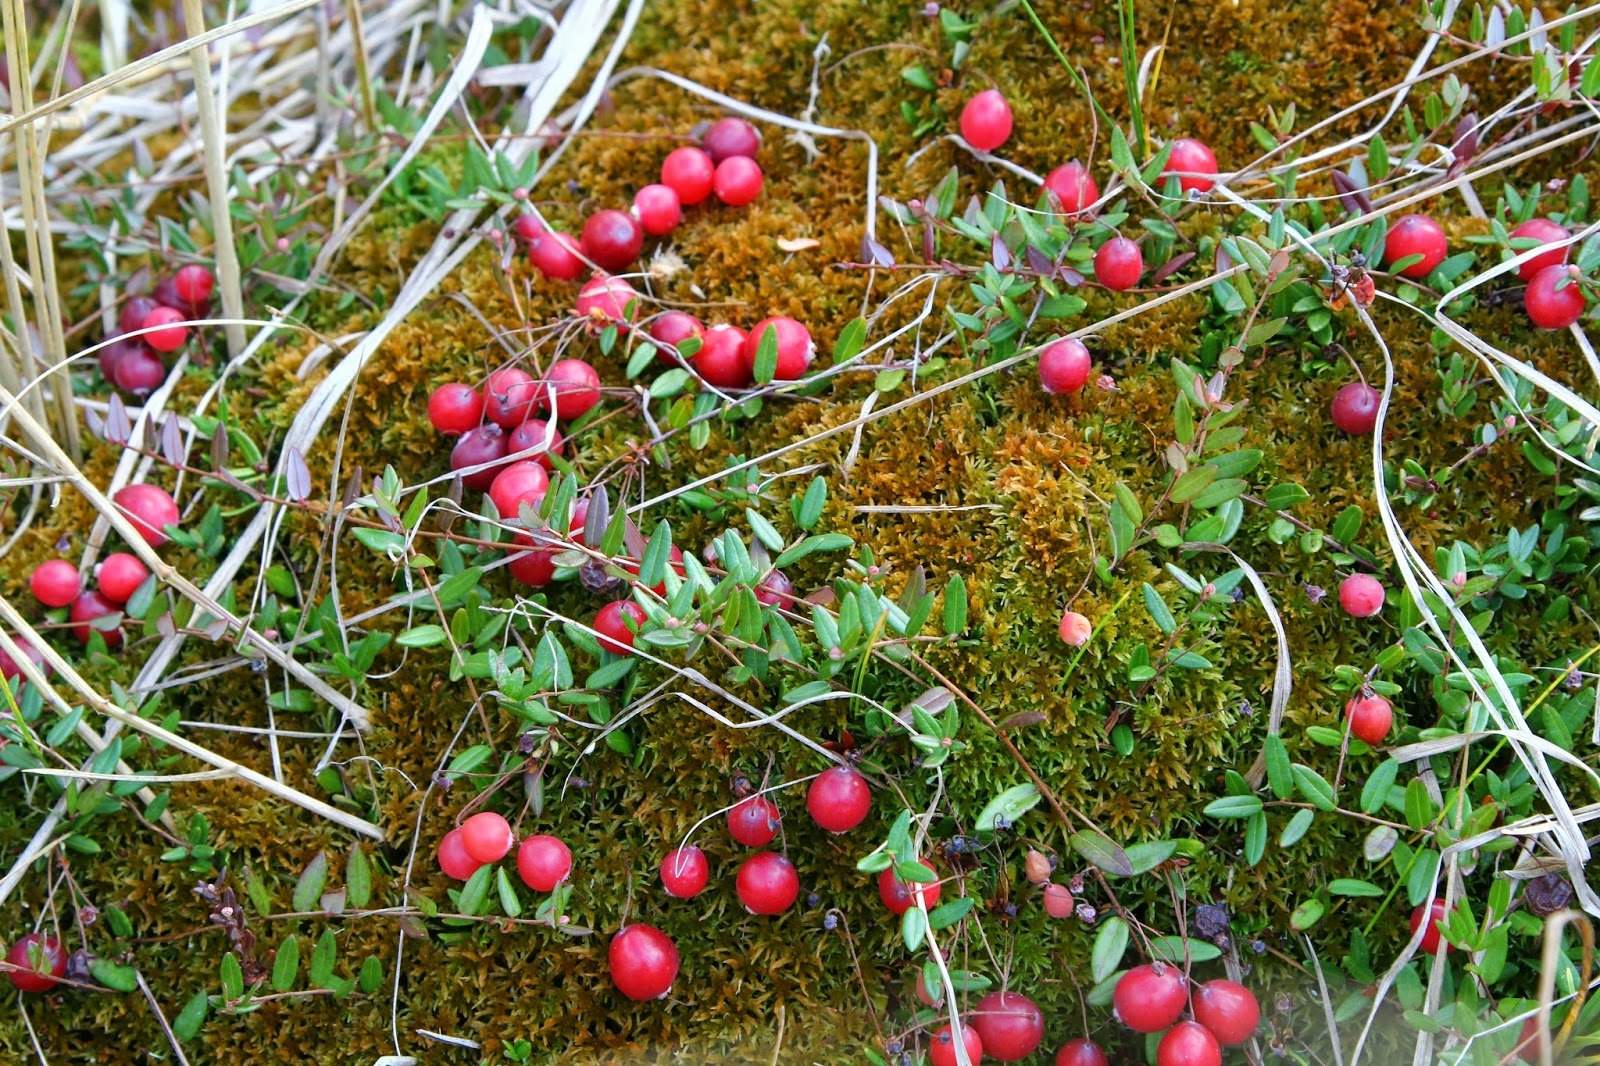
(537, 434)
(1361, 595)
(134, 312)
(688, 172)
(570, 387)
(720, 360)
(1415, 235)
(1064, 366)
(1057, 901)
(900, 896)
(672, 328)
(453, 857)
(730, 136)
(1188, 1044)
(942, 1046)
(523, 481)
(1150, 997)
(164, 336)
(55, 583)
(754, 821)
(1193, 163)
(1228, 1009)
(1080, 1052)
(543, 862)
(737, 180)
(1435, 914)
(534, 568)
(794, 347)
(1355, 408)
(606, 299)
(115, 352)
(658, 209)
(194, 285)
(1010, 1024)
(1074, 187)
(455, 408)
(527, 228)
(119, 576)
(42, 962)
(684, 872)
(839, 799)
(139, 372)
(486, 444)
(1074, 629)
(767, 883)
(85, 609)
(644, 962)
(556, 256)
(1118, 263)
(612, 239)
(508, 395)
(776, 590)
(1370, 719)
(986, 120)
(1545, 231)
(617, 623)
(486, 836)
(150, 508)
(1554, 299)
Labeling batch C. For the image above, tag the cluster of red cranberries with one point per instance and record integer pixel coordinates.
(133, 364)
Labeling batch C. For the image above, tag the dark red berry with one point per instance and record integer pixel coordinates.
(618, 623)
(1361, 595)
(737, 181)
(1545, 231)
(1080, 1052)
(644, 962)
(1063, 366)
(486, 444)
(607, 300)
(55, 583)
(119, 576)
(730, 136)
(1010, 1024)
(1118, 264)
(453, 857)
(543, 862)
(839, 799)
(767, 883)
(986, 120)
(455, 408)
(1149, 998)
(942, 1047)
(88, 607)
(486, 836)
(658, 209)
(164, 336)
(776, 590)
(1355, 407)
(684, 872)
(1192, 162)
(571, 387)
(538, 434)
(900, 896)
(688, 172)
(8, 666)
(612, 239)
(753, 822)
(41, 960)
(508, 396)
(555, 255)
(1415, 235)
(115, 352)
(1188, 1044)
(151, 510)
(1370, 719)
(134, 312)
(523, 481)
(793, 341)
(720, 360)
(1554, 299)
(139, 372)
(1435, 914)
(1074, 187)
(1228, 1009)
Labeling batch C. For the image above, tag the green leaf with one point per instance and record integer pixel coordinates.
(670, 383)
(1297, 827)
(1307, 915)
(468, 760)
(1172, 948)
(1160, 613)
(1349, 886)
(232, 978)
(1011, 804)
(1419, 805)
(114, 975)
(308, 889)
(947, 914)
(380, 540)
(1110, 944)
(851, 340)
(1314, 787)
(764, 530)
(1101, 850)
(357, 878)
(476, 891)
(425, 636)
(1255, 837)
(913, 928)
(286, 966)
(1191, 482)
(510, 904)
(1376, 791)
(955, 607)
(766, 361)
(186, 1026)
(819, 542)
(1280, 778)
(371, 975)
(1232, 807)
(323, 957)
(1147, 856)
(810, 507)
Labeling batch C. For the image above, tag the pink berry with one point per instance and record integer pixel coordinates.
(453, 857)
(485, 444)
(1074, 187)
(688, 172)
(1063, 366)
(754, 821)
(41, 962)
(55, 583)
(194, 285)
(728, 137)
(170, 338)
(605, 299)
(1188, 1044)
(1415, 235)
(486, 836)
(523, 481)
(1075, 629)
(88, 607)
(139, 372)
(942, 1047)
(986, 120)
(737, 180)
(900, 896)
(1228, 1009)
(1370, 718)
(535, 567)
(527, 228)
(1550, 306)
(684, 872)
(775, 590)
(658, 208)
(543, 862)
(1545, 231)
(455, 408)
(1192, 162)
(134, 312)
(795, 349)
(612, 239)
(617, 623)
(539, 434)
(1058, 902)
(672, 328)
(1118, 264)
(571, 386)
(119, 576)
(767, 883)
(1080, 1052)
(1010, 1024)
(720, 360)
(151, 510)
(1355, 408)
(1433, 915)
(555, 255)
(839, 799)
(1361, 595)
(508, 397)
(643, 961)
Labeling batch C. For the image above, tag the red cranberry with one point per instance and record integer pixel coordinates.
(555, 255)
(931, 995)
(1149, 998)
(644, 962)
(1370, 718)
(115, 352)
(1355, 407)
(839, 799)
(455, 408)
(942, 1047)
(486, 444)
(1188, 1044)
(41, 958)
(1075, 629)
(1415, 235)
(1010, 1024)
(119, 577)
(167, 339)
(1191, 161)
(776, 590)
(672, 328)
(8, 666)
(151, 510)
(1063, 366)
(618, 623)
(767, 883)
(536, 433)
(658, 209)
(612, 239)
(134, 312)
(453, 857)
(737, 180)
(684, 872)
(543, 862)
(486, 836)
(720, 360)
(536, 567)
(1527, 1049)
(85, 609)
(194, 285)
(508, 396)
(1545, 231)
(55, 583)
(795, 349)
(1118, 264)
(1228, 1009)
(728, 137)
(986, 120)
(605, 299)
(523, 481)
(1361, 595)
(674, 560)
(1550, 306)
(753, 822)
(572, 386)
(1074, 187)
(1057, 901)
(688, 172)
(900, 896)
(139, 372)
(527, 228)
(1435, 914)
(1080, 1052)
(166, 293)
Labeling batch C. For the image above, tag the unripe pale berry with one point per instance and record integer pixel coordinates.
(643, 961)
(684, 872)
(730, 136)
(1010, 1024)
(41, 960)
(1228, 1009)
(612, 239)
(795, 349)
(1554, 299)
(85, 609)
(485, 444)
(986, 120)
(737, 180)
(1192, 162)
(1361, 595)
(942, 1046)
(1415, 235)
(658, 209)
(486, 836)
(754, 821)
(570, 387)
(119, 576)
(508, 396)
(688, 172)
(720, 360)
(543, 862)
(900, 896)
(455, 408)
(167, 339)
(839, 799)
(767, 883)
(1433, 914)
(1073, 186)
(1080, 1052)
(55, 583)
(1355, 408)
(523, 481)
(1118, 263)
(151, 510)
(555, 255)
(1545, 231)
(1370, 719)
(1075, 629)
(1188, 1044)
(617, 623)
(1063, 366)
(1149, 998)
(453, 857)
(1057, 901)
